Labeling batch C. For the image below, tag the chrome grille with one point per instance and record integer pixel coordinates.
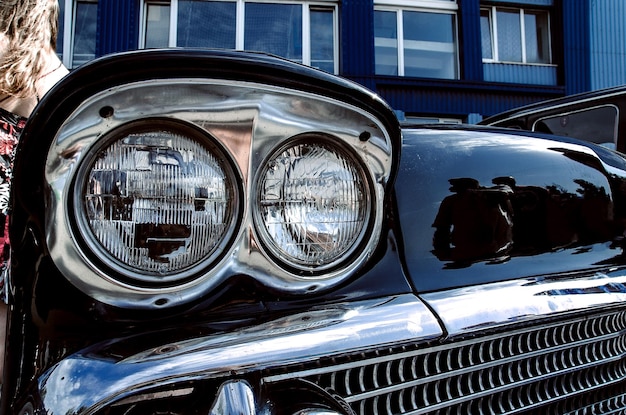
(569, 365)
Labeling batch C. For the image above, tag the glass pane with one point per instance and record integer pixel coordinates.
(61, 34)
(158, 26)
(386, 42)
(208, 24)
(509, 36)
(85, 33)
(322, 40)
(485, 34)
(429, 45)
(598, 125)
(537, 37)
(275, 29)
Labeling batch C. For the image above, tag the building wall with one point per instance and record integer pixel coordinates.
(588, 51)
(608, 43)
(576, 49)
(484, 88)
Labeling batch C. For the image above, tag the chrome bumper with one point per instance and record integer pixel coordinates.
(85, 382)
(535, 338)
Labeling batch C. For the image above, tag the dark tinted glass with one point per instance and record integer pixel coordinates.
(597, 125)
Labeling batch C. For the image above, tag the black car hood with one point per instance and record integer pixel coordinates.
(481, 205)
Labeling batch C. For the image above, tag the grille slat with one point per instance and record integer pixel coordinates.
(513, 372)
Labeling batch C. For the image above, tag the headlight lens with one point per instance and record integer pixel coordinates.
(156, 201)
(314, 204)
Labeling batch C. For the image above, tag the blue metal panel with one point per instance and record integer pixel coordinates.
(576, 50)
(455, 103)
(520, 74)
(608, 43)
(357, 38)
(442, 98)
(469, 27)
(118, 26)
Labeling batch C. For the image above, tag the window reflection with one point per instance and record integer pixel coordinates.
(515, 35)
(536, 37)
(275, 29)
(429, 45)
(206, 24)
(299, 31)
(386, 43)
(322, 40)
(157, 25)
(509, 36)
(84, 32)
(61, 34)
(486, 35)
(415, 43)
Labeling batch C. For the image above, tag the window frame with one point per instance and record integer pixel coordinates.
(69, 30)
(307, 7)
(447, 7)
(143, 26)
(493, 28)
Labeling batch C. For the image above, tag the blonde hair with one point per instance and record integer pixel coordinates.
(30, 28)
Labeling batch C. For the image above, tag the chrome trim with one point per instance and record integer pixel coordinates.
(304, 337)
(529, 368)
(234, 397)
(615, 405)
(389, 356)
(500, 304)
(250, 121)
(316, 412)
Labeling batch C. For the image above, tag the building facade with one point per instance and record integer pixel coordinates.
(435, 60)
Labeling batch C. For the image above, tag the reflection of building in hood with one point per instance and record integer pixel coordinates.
(477, 223)
(474, 223)
(463, 183)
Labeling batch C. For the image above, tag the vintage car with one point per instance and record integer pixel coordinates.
(596, 116)
(219, 232)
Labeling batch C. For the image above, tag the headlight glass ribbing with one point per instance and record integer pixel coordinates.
(313, 204)
(158, 202)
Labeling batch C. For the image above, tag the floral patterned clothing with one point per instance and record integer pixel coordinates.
(11, 127)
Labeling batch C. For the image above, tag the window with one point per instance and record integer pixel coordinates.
(416, 42)
(515, 35)
(157, 27)
(210, 24)
(598, 124)
(77, 31)
(274, 28)
(304, 32)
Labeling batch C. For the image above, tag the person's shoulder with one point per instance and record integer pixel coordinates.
(49, 81)
(18, 107)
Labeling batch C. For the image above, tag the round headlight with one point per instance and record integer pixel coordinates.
(314, 204)
(156, 202)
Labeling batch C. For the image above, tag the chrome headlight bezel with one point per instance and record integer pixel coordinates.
(249, 121)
